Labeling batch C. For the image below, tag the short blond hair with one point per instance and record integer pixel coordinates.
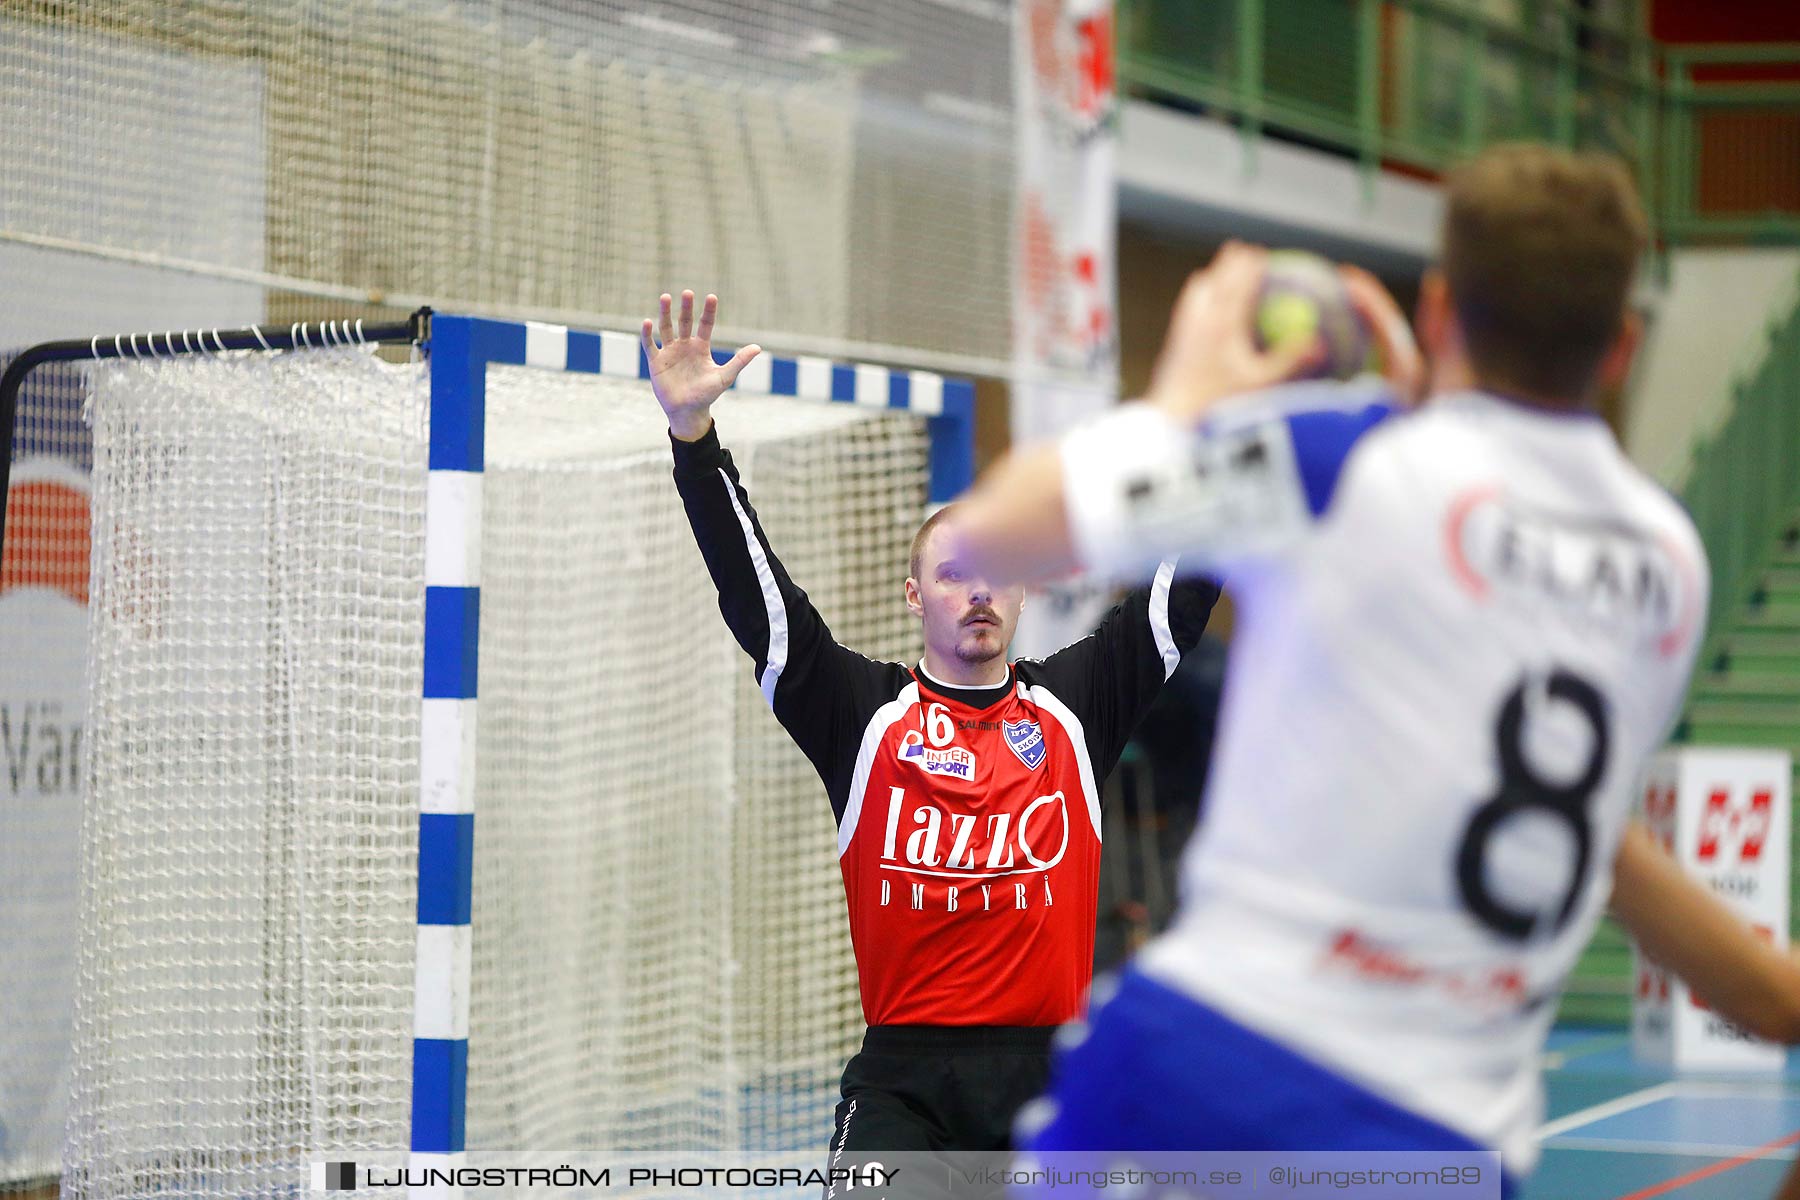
(1540, 248)
(916, 559)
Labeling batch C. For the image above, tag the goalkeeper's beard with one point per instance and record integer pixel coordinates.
(980, 645)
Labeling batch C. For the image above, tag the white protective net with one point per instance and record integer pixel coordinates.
(244, 982)
(834, 168)
(661, 959)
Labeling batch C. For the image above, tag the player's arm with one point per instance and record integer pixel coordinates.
(1144, 482)
(1688, 930)
(812, 684)
(1110, 677)
(1117, 495)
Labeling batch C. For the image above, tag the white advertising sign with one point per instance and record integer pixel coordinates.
(1065, 310)
(1725, 816)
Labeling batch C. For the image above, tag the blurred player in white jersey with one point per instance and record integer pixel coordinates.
(1461, 630)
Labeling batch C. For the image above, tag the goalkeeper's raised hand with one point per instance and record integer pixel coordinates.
(682, 371)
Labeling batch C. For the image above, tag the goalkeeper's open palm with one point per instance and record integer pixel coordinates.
(682, 371)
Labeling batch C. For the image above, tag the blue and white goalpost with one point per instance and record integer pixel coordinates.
(293, 934)
(462, 348)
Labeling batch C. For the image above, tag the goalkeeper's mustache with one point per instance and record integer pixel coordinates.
(981, 613)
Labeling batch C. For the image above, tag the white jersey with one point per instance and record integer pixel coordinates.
(1461, 630)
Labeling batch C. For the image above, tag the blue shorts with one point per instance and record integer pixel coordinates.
(1158, 1070)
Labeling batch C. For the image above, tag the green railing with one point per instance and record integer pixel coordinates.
(1744, 493)
(1744, 484)
(1743, 490)
(1422, 83)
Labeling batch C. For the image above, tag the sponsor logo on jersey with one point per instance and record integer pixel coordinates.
(1610, 576)
(952, 761)
(1026, 740)
(926, 838)
(1501, 985)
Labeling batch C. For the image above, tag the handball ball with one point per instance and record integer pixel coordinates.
(1303, 298)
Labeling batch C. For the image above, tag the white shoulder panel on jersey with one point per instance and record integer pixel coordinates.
(1138, 487)
(1247, 484)
(877, 728)
(1047, 700)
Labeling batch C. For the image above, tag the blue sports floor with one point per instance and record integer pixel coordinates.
(1619, 1131)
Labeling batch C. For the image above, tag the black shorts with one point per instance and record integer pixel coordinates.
(938, 1089)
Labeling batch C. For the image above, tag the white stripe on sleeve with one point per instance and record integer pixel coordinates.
(1159, 617)
(775, 660)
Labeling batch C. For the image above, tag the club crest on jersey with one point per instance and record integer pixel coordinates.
(953, 761)
(1026, 740)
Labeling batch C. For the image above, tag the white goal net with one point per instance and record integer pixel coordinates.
(660, 955)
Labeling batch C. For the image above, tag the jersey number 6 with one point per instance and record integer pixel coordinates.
(939, 727)
(1523, 790)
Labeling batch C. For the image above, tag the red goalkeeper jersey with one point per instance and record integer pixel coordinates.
(968, 818)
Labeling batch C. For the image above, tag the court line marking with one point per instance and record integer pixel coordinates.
(1611, 1108)
(1597, 1145)
(1707, 1172)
